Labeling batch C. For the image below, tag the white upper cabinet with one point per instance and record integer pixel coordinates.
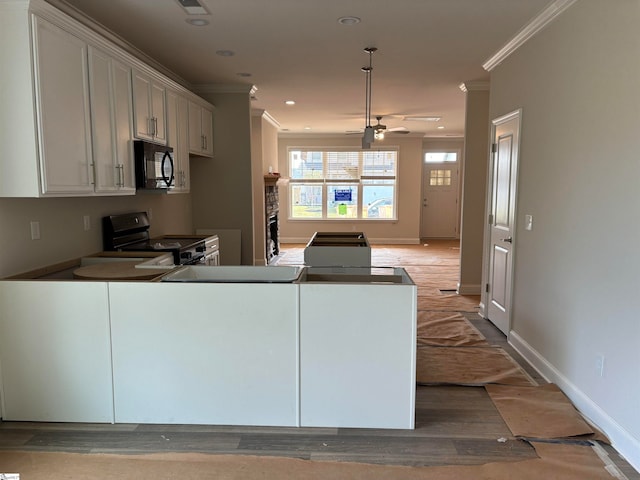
(62, 109)
(200, 130)
(178, 139)
(111, 112)
(149, 108)
(72, 102)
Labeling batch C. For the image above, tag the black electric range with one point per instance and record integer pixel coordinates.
(130, 232)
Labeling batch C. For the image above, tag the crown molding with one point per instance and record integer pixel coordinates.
(258, 112)
(224, 88)
(63, 11)
(474, 86)
(532, 28)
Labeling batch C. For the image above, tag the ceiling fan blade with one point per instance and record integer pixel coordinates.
(398, 130)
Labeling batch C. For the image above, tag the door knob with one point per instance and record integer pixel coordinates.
(508, 240)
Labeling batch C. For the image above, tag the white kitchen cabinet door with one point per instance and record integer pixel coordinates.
(357, 355)
(111, 111)
(149, 108)
(63, 110)
(205, 353)
(178, 139)
(207, 132)
(55, 351)
(200, 130)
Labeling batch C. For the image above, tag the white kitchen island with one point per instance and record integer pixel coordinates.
(332, 350)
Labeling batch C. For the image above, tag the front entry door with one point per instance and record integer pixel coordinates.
(504, 181)
(439, 201)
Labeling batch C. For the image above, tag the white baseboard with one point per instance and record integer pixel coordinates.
(627, 445)
(372, 241)
(469, 289)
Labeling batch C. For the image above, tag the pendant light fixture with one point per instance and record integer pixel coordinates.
(369, 133)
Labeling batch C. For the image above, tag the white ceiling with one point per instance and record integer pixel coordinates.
(296, 49)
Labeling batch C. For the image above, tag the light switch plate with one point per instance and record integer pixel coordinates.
(528, 222)
(35, 230)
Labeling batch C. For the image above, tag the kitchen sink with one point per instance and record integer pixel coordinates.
(234, 274)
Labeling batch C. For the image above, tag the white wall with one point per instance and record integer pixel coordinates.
(474, 174)
(221, 187)
(62, 228)
(577, 273)
(407, 227)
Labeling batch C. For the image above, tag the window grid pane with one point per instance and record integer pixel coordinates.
(342, 165)
(440, 178)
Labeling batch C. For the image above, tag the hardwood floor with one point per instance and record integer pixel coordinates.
(454, 426)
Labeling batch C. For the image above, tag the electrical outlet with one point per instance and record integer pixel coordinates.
(87, 222)
(35, 230)
(600, 364)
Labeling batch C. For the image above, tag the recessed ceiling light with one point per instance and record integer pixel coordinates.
(440, 127)
(348, 20)
(197, 22)
(225, 53)
(307, 128)
(244, 74)
(290, 102)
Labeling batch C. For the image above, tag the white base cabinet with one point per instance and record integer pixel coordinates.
(205, 353)
(55, 351)
(313, 353)
(357, 355)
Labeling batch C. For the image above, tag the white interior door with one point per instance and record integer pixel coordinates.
(439, 218)
(504, 181)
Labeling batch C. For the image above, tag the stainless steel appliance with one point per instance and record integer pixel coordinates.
(130, 232)
(154, 166)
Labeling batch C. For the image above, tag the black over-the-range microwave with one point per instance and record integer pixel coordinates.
(154, 166)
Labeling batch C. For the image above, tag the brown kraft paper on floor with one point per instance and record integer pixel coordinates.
(559, 462)
(449, 303)
(540, 412)
(448, 329)
(472, 366)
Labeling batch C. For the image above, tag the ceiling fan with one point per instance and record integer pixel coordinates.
(379, 129)
(373, 132)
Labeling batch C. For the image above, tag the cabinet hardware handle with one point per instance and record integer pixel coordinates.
(508, 240)
(155, 126)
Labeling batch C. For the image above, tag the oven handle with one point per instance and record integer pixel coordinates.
(196, 260)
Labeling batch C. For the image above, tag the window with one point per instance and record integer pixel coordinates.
(334, 184)
(440, 157)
